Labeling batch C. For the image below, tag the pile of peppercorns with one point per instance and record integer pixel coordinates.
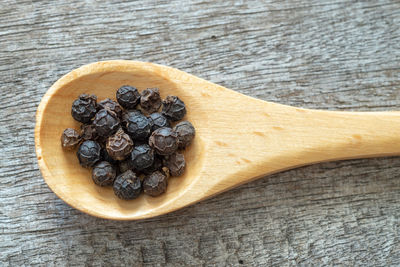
(129, 143)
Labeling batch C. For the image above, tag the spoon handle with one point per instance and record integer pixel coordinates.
(331, 135)
(271, 137)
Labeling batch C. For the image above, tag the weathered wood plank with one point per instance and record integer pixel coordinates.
(316, 54)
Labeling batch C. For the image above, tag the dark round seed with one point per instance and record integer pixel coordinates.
(102, 140)
(125, 165)
(106, 157)
(88, 153)
(128, 97)
(155, 184)
(128, 113)
(84, 108)
(103, 173)
(176, 164)
(186, 133)
(152, 134)
(106, 123)
(88, 132)
(110, 105)
(164, 141)
(119, 145)
(142, 157)
(156, 166)
(138, 126)
(70, 139)
(150, 100)
(127, 185)
(158, 121)
(173, 108)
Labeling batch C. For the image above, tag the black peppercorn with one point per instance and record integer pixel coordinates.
(164, 141)
(127, 148)
(142, 157)
(156, 166)
(119, 145)
(155, 184)
(127, 185)
(103, 173)
(101, 140)
(110, 105)
(106, 123)
(158, 121)
(88, 132)
(138, 126)
(175, 163)
(128, 97)
(88, 153)
(106, 157)
(173, 108)
(129, 113)
(125, 165)
(150, 100)
(84, 108)
(70, 139)
(186, 132)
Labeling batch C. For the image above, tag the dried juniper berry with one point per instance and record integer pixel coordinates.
(88, 153)
(84, 108)
(142, 157)
(128, 97)
(110, 105)
(173, 108)
(150, 100)
(119, 145)
(164, 141)
(103, 173)
(106, 123)
(106, 157)
(88, 132)
(125, 165)
(158, 121)
(186, 132)
(70, 139)
(127, 185)
(156, 166)
(175, 163)
(155, 184)
(138, 126)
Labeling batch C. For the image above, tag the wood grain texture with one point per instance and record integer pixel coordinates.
(338, 55)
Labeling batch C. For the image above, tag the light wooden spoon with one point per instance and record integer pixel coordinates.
(238, 138)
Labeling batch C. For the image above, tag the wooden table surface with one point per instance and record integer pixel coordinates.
(337, 55)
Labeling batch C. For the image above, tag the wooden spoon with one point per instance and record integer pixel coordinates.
(238, 138)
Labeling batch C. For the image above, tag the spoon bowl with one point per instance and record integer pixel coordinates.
(238, 138)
